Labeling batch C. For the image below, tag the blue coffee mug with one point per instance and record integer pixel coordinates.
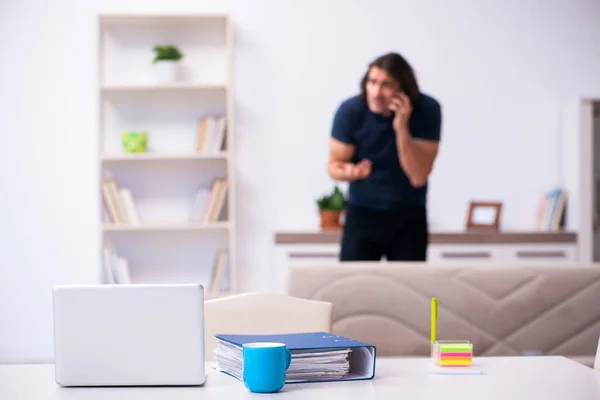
(265, 366)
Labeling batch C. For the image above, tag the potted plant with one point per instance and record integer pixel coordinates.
(331, 208)
(166, 62)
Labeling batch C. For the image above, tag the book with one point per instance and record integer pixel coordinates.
(316, 356)
(552, 209)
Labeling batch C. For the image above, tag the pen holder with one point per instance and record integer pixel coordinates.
(452, 353)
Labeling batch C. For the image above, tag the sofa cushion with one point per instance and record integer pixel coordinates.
(503, 309)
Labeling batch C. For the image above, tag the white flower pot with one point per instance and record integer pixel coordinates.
(166, 71)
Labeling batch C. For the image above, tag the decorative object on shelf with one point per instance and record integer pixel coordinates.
(166, 63)
(484, 216)
(331, 208)
(135, 142)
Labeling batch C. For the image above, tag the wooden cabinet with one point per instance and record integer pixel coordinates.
(467, 248)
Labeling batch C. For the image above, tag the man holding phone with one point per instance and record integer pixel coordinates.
(384, 141)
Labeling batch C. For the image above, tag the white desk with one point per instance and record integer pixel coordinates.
(530, 378)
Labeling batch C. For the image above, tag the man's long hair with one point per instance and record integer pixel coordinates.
(399, 69)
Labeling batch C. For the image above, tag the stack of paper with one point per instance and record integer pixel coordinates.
(329, 364)
(306, 365)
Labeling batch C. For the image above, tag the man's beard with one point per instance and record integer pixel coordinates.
(379, 101)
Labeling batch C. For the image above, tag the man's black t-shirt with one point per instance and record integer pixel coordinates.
(387, 187)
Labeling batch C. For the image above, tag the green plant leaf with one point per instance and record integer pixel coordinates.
(167, 53)
(336, 201)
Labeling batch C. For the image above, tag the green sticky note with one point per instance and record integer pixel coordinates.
(456, 347)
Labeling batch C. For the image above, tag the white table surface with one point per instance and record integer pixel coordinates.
(532, 378)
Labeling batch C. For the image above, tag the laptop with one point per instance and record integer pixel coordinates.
(129, 335)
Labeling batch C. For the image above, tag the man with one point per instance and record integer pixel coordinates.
(384, 141)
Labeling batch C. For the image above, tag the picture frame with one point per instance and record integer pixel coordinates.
(484, 216)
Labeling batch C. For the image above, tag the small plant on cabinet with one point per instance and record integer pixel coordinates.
(166, 62)
(331, 208)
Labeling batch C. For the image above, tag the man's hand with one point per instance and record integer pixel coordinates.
(347, 171)
(402, 108)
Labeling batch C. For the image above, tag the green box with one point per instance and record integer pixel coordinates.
(135, 142)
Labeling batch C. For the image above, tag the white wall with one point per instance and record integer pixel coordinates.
(47, 166)
(500, 69)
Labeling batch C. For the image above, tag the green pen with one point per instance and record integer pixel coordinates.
(434, 316)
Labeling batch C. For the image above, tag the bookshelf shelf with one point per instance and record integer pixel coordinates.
(141, 157)
(158, 19)
(164, 227)
(141, 87)
(168, 213)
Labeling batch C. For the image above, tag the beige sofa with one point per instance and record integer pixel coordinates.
(504, 310)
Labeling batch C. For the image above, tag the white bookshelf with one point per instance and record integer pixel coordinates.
(153, 235)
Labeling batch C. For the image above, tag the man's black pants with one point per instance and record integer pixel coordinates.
(399, 235)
